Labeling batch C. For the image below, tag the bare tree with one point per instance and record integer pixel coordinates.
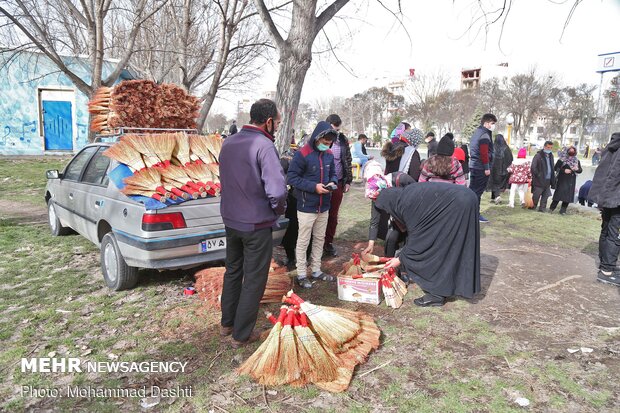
(570, 106)
(59, 27)
(295, 53)
(424, 91)
(525, 95)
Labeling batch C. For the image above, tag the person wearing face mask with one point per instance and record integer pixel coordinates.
(543, 176)
(253, 196)
(481, 157)
(313, 175)
(567, 168)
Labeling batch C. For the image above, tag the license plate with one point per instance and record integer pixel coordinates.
(212, 244)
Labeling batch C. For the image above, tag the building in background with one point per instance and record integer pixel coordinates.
(41, 110)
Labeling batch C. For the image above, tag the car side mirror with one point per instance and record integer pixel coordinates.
(52, 174)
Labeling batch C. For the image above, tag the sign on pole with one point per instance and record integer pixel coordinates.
(608, 62)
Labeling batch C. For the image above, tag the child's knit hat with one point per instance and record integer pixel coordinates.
(522, 153)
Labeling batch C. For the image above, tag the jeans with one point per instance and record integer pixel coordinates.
(248, 255)
(609, 240)
(478, 182)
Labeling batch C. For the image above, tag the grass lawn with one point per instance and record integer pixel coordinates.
(469, 356)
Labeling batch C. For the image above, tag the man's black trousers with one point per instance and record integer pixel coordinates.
(248, 255)
(609, 240)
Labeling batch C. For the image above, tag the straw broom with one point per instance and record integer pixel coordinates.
(215, 170)
(265, 360)
(396, 282)
(125, 154)
(127, 190)
(142, 146)
(333, 329)
(288, 369)
(374, 259)
(214, 146)
(163, 145)
(200, 173)
(198, 145)
(181, 149)
(324, 361)
(177, 176)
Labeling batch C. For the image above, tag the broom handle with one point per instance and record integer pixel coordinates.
(294, 298)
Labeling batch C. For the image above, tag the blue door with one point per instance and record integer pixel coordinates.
(57, 125)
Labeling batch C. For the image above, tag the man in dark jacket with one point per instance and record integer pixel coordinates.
(481, 156)
(431, 143)
(543, 176)
(312, 174)
(342, 161)
(605, 191)
(233, 128)
(253, 196)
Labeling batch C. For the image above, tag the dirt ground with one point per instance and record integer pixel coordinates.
(539, 300)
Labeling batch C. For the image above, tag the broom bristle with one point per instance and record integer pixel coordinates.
(325, 362)
(181, 150)
(198, 145)
(214, 168)
(333, 329)
(148, 179)
(126, 154)
(163, 145)
(143, 146)
(288, 368)
(263, 362)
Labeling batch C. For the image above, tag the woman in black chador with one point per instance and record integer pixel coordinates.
(442, 252)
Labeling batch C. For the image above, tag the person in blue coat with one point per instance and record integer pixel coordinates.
(313, 175)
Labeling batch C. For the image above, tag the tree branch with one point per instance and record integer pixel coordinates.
(327, 14)
(271, 26)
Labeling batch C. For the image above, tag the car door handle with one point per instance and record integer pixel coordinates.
(98, 204)
(70, 195)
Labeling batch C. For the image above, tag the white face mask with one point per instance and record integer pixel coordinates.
(491, 127)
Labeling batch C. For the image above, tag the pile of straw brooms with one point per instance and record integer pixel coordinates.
(373, 266)
(142, 104)
(210, 281)
(169, 166)
(312, 344)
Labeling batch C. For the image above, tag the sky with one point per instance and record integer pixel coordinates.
(377, 49)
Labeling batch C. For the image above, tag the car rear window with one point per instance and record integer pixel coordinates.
(95, 172)
(74, 169)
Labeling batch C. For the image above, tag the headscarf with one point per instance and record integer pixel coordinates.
(499, 146)
(571, 161)
(413, 136)
(398, 130)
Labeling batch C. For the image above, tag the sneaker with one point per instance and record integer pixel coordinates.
(612, 278)
(498, 200)
(542, 210)
(304, 282)
(254, 336)
(329, 250)
(483, 220)
(322, 276)
(511, 206)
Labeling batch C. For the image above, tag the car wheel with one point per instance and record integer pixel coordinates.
(116, 273)
(55, 226)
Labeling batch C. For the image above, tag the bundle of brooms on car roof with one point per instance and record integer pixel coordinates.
(173, 166)
(372, 266)
(142, 104)
(313, 344)
(210, 281)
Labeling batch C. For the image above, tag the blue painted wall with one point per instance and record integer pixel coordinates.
(20, 80)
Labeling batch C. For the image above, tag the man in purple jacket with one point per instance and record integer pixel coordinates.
(253, 196)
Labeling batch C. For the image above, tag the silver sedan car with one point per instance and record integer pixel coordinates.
(81, 198)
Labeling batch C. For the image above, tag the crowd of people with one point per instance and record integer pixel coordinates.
(426, 211)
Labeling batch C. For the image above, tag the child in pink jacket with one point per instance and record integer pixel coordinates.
(520, 177)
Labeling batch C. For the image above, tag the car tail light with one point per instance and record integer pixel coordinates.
(160, 222)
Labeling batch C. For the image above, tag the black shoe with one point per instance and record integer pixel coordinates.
(541, 209)
(330, 251)
(612, 278)
(291, 264)
(429, 300)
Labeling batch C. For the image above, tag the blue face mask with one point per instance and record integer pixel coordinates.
(547, 150)
(322, 147)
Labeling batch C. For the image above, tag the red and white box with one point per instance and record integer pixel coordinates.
(360, 290)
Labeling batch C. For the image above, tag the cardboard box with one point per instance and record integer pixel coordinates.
(361, 290)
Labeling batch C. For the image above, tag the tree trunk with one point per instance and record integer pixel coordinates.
(293, 71)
